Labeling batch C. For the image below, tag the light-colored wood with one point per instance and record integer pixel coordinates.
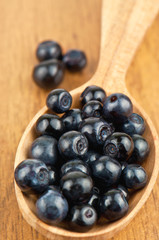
(121, 36)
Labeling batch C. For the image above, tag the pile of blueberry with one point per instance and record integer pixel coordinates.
(50, 71)
(86, 163)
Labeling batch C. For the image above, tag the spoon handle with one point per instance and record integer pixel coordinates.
(123, 25)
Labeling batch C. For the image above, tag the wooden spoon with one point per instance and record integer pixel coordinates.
(124, 24)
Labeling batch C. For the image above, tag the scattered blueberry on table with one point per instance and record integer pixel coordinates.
(84, 164)
(50, 71)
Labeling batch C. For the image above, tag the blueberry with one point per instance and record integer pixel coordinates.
(75, 60)
(119, 146)
(96, 190)
(76, 186)
(92, 109)
(59, 100)
(96, 130)
(32, 176)
(92, 93)
(94, 201)
(113, 205)
(124, 191)
(73, 145)
(75, 165)
(48, 50)
(82, 218)
(45, 149)
(141, 149)
(106, 172)
(48, 74)
(91, 156)
(52, 207)
(53, 176)
(123, 165)
(133, 125)
(71, 119)
(134, 176)
(117, 107)
(49, 124)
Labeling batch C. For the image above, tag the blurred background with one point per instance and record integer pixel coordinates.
(74, 24)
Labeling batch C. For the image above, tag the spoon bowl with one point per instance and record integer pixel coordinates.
(123, 27)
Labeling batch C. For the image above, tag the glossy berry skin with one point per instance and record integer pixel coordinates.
(119, 146)
(96, 130)
(82, 218)
(124, 190)
(48, 74)
(53, 176)
(59, 101)
(123, 165)
(72, 145)
(52, 207)
(91, 156)
(32, 176)
(48, 50)
(49, 124)
(134, 176)
(96, 190)
(141, 149)
(76, 186)
(94, 201)
(106, 172)
(92, 93)
(117, 107)
(75, 60)
(71, 119)
(45, 149)
(75, 165)
(92, 109)
(133, 125)
(113, 205)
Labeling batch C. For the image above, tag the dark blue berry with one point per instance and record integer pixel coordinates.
(75, 165)
(133, 125)
(91, 156)
(141, 149)
(73, 145)
(96, 190)
(134, 176)
(92, 93)
(123, 165)
(92, 109)
(119, 146)
(124, 191)
(53, 176)
(52, 207)
(96, 130)
(48, 50)
(49, 124)
(76, 186)
(45, 149)
(94, 201)
(71, 119)
(106, 172)
(32, 176)
(48, 74)
(113, 205)
(75, 60)
(59, 101)
(117, 107)
(82, 218)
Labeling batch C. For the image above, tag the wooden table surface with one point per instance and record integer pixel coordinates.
(75, 24)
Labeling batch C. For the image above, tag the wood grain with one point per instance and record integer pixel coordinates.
(74, 24)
